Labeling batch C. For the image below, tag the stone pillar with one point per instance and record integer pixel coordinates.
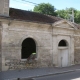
(55, 51)
(0, 47)
(4, 7)
(72, 51)
(5, 41)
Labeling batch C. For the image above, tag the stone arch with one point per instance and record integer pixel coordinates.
(37, 41)
(63, 43)
(24, 37)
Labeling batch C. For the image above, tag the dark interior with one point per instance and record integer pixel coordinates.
(28, 47)
(62, 43)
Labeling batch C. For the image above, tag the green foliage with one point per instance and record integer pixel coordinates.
(67, 12)
(48, 9)
(45, 8)
(62, 14)
(77, 17)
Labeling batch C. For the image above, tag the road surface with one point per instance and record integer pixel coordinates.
(66, 76)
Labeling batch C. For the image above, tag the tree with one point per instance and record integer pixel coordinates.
(62, 14)
(77, 17)
(67, 13)
(45, 8)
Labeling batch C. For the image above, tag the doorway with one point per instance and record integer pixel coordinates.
(63, 53)
(28, 47)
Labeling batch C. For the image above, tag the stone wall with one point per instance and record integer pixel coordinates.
(77, 41)
(20, 64)
(77, 48)
(13, 37)
(46, 39)
(63, 32)
(0, 48)
(4, 7)
(77, 56)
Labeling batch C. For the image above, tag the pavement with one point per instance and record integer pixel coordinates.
(37, 72)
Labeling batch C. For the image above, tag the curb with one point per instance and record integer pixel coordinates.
(49, 74)
(52, 74)
(37, 76)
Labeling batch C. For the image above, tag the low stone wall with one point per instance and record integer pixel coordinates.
(77, 48)
(13, 64)
(77, 56)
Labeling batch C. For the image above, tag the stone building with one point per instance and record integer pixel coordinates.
(55, 41)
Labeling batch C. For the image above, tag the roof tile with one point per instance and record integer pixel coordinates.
(32, 16)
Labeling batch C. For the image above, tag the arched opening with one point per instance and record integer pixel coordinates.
(62, 43)
(28, 47)
(63, 51)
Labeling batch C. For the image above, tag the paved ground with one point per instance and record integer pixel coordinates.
(67, 76)
(26, 73)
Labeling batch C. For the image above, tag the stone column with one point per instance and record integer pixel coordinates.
(72, 51)
(5, 41)
(55, 51)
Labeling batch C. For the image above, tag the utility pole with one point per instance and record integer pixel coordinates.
(71, 16)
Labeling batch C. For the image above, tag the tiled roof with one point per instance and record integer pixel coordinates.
(32, 16)
(76, 25)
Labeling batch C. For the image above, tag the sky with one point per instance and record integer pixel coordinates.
(58, 4)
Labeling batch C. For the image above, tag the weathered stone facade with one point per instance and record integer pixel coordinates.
(0, 49)
(4, 7)
(13, 36)
(57, 42)
(77, 47)
(46, 36)
(63, 31)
